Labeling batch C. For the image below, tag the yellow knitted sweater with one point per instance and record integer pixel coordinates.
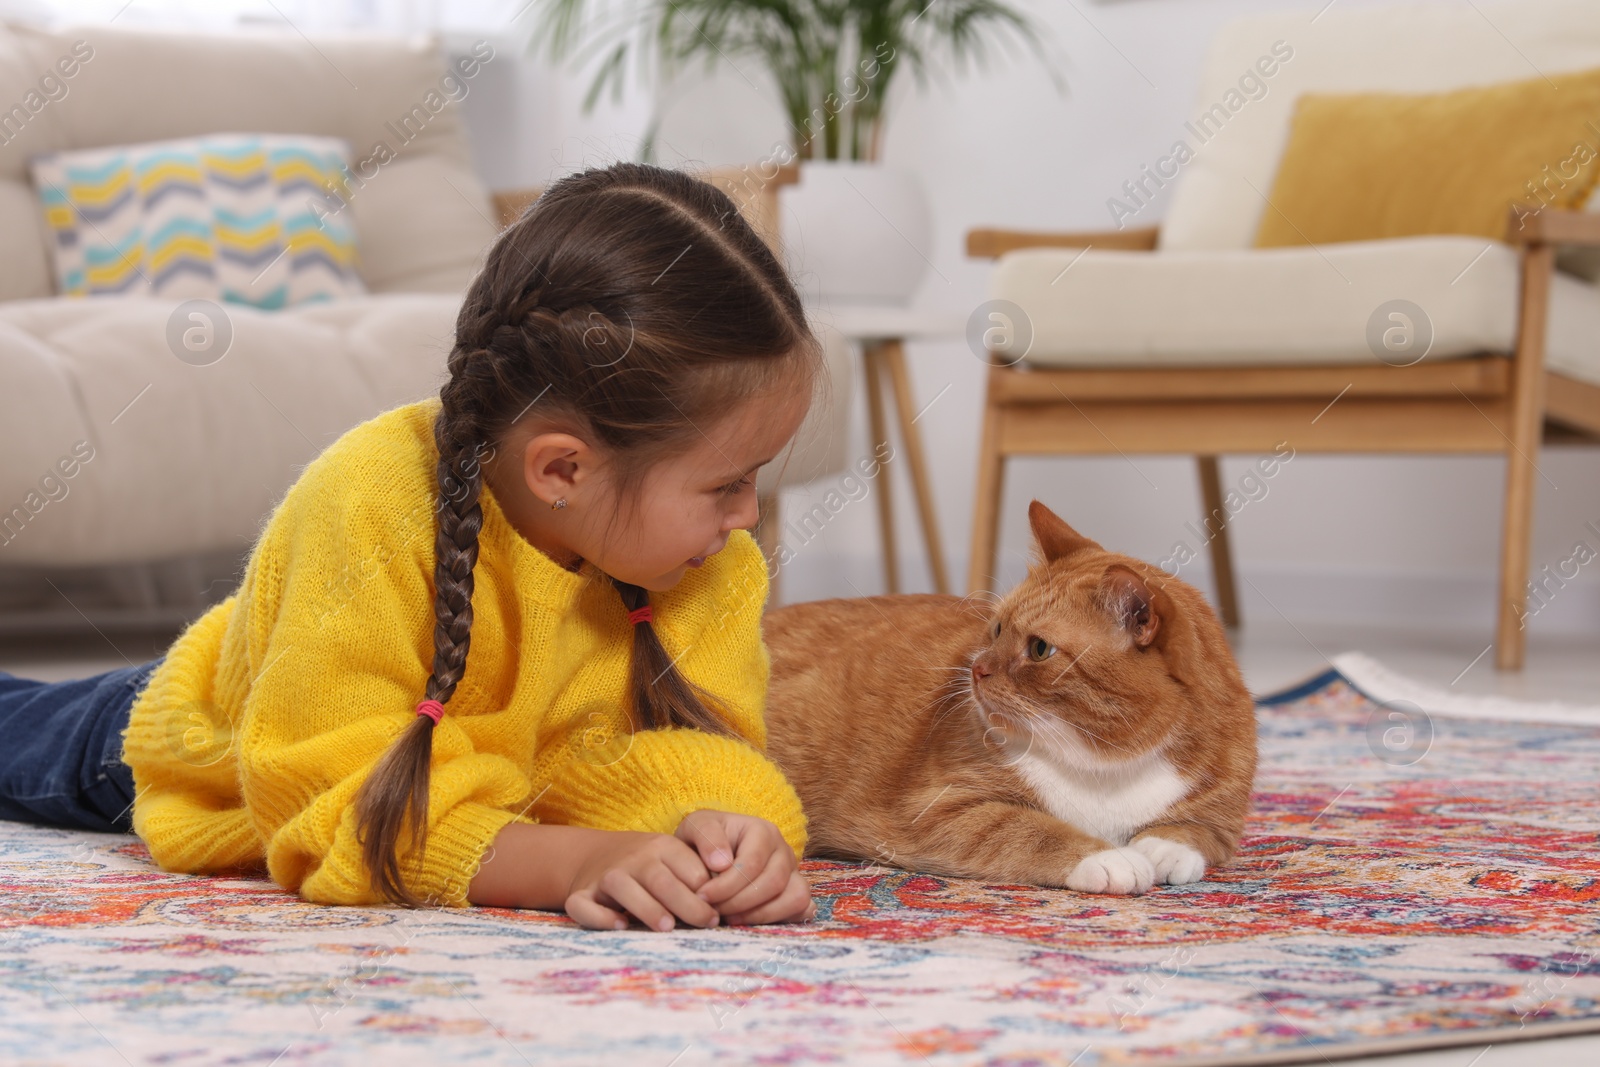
(254, 733)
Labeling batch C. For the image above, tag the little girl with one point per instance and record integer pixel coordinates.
(573, 508)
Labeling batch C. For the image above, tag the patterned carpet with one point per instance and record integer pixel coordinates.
(1403, 883)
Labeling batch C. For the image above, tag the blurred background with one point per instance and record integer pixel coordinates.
(1041, 132)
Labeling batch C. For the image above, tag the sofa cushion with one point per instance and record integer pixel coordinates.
(1402, 48)
(218, 440)
(422, 218)
(1321, 304)
(247, 218)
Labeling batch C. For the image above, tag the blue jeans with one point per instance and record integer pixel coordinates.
(61, 749)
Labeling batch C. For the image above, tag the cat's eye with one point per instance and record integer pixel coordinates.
(997, 628)
(1039, 648)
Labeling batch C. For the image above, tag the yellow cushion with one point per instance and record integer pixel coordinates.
(1364, 166)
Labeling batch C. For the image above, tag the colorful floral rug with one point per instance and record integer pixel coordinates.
(1406, 881)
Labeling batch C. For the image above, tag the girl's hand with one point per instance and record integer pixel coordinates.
(651, 876)
(756, 878)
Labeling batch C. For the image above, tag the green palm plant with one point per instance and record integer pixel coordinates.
(833, 60)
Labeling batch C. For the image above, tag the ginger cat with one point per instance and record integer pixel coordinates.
(1090, 731)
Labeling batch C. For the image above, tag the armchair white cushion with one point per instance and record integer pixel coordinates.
(1268, 306)
(1205, 296)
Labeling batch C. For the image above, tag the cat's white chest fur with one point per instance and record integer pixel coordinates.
(1110, 800)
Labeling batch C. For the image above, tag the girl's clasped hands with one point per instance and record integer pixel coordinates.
(717, 866)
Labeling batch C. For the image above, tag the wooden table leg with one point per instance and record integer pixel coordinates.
(986, 503)
(878, 427)
(766, 532)
(892, 353)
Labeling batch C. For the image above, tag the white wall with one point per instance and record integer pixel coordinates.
(1399, 540)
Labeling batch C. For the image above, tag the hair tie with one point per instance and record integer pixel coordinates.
(638, 615)
(432, 709)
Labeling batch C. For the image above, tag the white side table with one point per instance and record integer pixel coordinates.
(882, 333)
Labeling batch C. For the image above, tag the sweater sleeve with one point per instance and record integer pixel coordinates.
(652, 779)
(339, 648)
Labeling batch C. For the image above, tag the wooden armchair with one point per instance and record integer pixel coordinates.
(755, 192)
(1506, 403)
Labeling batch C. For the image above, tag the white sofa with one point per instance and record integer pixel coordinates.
(187, 460)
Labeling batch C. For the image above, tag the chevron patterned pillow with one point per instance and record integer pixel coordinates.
(250, 218)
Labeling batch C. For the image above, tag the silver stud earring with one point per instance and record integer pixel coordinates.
(559, 503)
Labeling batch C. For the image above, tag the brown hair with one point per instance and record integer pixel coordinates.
(637, 302)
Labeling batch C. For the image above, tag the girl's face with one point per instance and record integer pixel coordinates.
(686, 505)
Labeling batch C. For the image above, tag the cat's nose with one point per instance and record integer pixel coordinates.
(980, 672)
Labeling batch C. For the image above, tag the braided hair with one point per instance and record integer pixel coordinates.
(638, 302)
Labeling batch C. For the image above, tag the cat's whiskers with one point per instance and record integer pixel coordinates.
(982, 594)
(1075, 752)
(959, 683)
(1001, 710)
(954, 685)
(1051, 723)
(975, 612)
(963, 698)
(953, 702)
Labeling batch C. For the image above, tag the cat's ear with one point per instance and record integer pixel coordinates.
(1131, 604)
(1193, 646)
(1053, 536)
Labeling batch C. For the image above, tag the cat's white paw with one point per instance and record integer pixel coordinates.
(1174, 863)
(1116, 870)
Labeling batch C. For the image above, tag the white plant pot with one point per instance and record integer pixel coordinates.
(856, 232)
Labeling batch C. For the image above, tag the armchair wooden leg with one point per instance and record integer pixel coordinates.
(1511, 637)
(1216, 527)
(986, 506)
(1522, 456)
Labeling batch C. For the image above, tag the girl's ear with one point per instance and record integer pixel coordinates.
(1132, 604)
(555, 464)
